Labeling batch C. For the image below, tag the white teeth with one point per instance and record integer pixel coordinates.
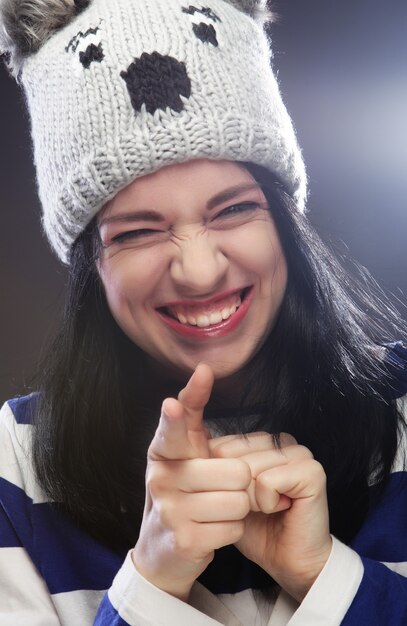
(215, 317)
(202, 321)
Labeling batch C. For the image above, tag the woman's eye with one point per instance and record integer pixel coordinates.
(238, 209)
(133, 235)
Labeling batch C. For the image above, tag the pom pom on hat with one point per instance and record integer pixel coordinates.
(257, 9)
(27, 24)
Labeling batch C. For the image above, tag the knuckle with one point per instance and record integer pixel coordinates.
(167, 511)
(318, 472)
(242, 473)
(263, 481)
(239, 503)
(157, 479)
(244, 503)
(153, 450)
(314, 473)
(304, 452)
(150, 449)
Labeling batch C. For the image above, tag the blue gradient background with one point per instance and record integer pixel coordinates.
(343, 71)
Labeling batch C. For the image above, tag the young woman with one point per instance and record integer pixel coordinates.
(218, 433)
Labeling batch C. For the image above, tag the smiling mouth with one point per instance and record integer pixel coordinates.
(206, 315)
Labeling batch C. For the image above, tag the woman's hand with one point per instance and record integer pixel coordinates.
(287, 530)
(194, 504)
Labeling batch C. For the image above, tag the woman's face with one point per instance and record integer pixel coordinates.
(192, 265)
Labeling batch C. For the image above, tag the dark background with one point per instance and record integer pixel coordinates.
(343, 71)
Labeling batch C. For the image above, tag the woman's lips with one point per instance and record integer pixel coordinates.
(204, 315)
(215, 318)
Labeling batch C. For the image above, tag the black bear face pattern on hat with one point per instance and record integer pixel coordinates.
(154, 80)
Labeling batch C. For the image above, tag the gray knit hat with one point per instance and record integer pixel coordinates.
(119, 88)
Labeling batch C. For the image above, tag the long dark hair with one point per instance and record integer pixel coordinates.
(321, 375)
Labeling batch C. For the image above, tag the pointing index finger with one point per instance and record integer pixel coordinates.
(196, 394)
(171, 440)
(181, 433)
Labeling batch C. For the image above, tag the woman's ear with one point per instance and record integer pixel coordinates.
(25, 25)
(257, 9)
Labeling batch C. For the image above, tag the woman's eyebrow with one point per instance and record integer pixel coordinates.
(229, 194)
(135, 216)
(154, 216)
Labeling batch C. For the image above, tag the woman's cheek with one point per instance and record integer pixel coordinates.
(130, 277)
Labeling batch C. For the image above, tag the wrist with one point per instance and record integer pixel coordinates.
(177, 586)
(299, 583)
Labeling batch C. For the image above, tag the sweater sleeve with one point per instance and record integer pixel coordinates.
(133, 601)
(353, 590)
(24, 597)
(381, 597)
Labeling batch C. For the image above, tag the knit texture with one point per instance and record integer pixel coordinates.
(129, 86)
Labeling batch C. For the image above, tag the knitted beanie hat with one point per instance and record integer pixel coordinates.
(117, 89)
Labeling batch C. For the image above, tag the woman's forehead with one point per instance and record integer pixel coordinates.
(201, 181)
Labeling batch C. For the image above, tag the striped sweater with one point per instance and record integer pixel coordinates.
(52, 573)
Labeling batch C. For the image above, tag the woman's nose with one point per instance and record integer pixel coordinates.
(200, 265)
